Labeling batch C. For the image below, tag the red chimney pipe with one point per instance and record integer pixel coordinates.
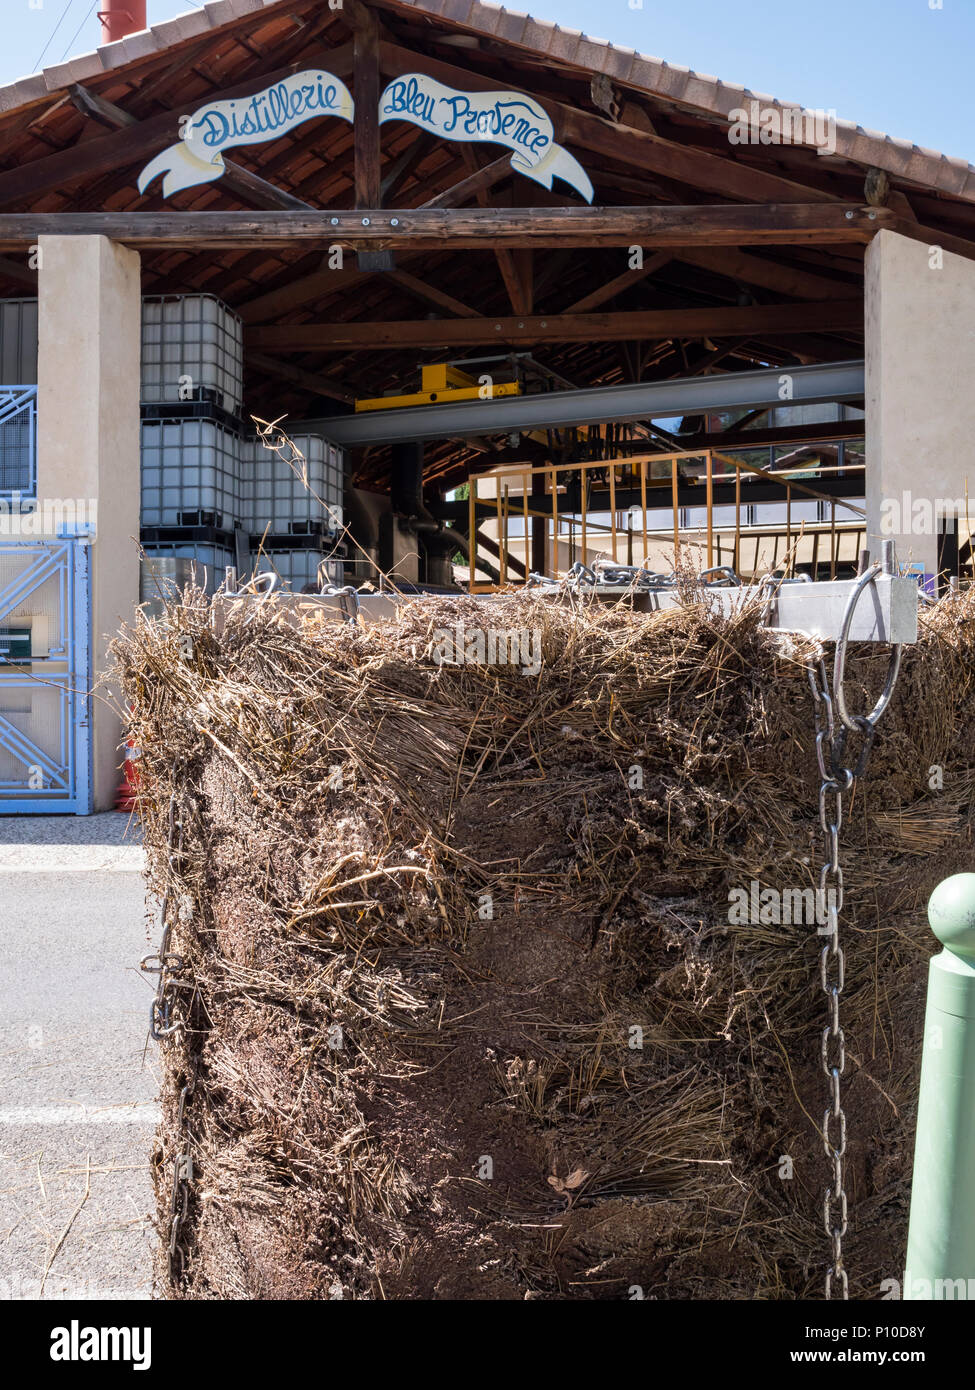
(122, 17)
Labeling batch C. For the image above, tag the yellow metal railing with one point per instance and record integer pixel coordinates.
(516, 496)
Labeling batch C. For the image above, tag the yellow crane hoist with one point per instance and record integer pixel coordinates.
(440, 383)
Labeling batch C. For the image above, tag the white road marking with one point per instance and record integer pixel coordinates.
(80, 1115)
(69, 859)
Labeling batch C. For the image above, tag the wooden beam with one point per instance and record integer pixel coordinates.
(250, 186)
(523, 270)
(308, 381)
(401, 167)
(437, 229)
(510, 273)
(754, 270)
(729, 176)
(612, 288)
(739, 321)
(512, 280)
(257, 190)
(930, 237)
(368, 162)
(431, 294)
(298, 293)
(96, 108)
(475, 183)
(122, 149)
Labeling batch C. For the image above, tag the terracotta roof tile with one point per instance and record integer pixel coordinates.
(141, 45)
(705, 95)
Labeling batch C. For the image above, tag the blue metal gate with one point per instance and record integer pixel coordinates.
(45, 677)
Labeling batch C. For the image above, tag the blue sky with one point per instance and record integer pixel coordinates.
(901, 66)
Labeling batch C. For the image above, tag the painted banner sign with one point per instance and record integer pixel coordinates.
(220, 125)
(501, 118)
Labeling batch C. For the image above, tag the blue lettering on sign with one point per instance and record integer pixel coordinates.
(276, 109)
(515, 120)
(406, 97)
(504, 118)
(218, 125)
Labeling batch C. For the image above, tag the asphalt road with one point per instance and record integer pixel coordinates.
(78, 1076)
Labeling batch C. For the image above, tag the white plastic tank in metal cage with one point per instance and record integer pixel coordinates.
(285, 495)
(190, 474)
(167, 569)
(296, 569)
(192, 350)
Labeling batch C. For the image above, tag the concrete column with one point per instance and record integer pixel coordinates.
(920, 402)
(88, 435)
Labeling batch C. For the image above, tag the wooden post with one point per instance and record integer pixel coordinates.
(366, 138)
(673, 487)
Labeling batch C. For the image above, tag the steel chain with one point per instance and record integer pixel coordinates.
(835, 779)
(163, 1024)
(182, 1178)
(165, 963)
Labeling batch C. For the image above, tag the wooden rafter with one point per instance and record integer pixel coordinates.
(250, 186)
(296, 293)
(714, 173)
(476, 183)
(602, 294)
(758, 270)
(124, 148)
(432, 294)
(308, 381)
(657, 323)
(400, 169)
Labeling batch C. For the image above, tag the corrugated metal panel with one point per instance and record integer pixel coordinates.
(18, 342)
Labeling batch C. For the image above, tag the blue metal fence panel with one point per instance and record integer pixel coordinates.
(18, 442)
(45, 677)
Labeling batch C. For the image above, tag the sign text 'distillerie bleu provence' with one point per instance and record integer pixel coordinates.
(220, 125)
(501, 118)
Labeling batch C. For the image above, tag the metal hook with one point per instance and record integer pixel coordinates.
(855, 723)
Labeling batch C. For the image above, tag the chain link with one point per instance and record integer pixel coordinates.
(165, 963)
(835, 779)
(182, 1178)
(163, 1024)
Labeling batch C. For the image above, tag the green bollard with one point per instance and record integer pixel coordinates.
(941, 1239)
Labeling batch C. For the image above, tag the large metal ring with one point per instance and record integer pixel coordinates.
(260, 586)
(853, 722)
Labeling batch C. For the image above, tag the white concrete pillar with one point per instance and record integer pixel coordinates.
(88, 435)
(920, 396)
